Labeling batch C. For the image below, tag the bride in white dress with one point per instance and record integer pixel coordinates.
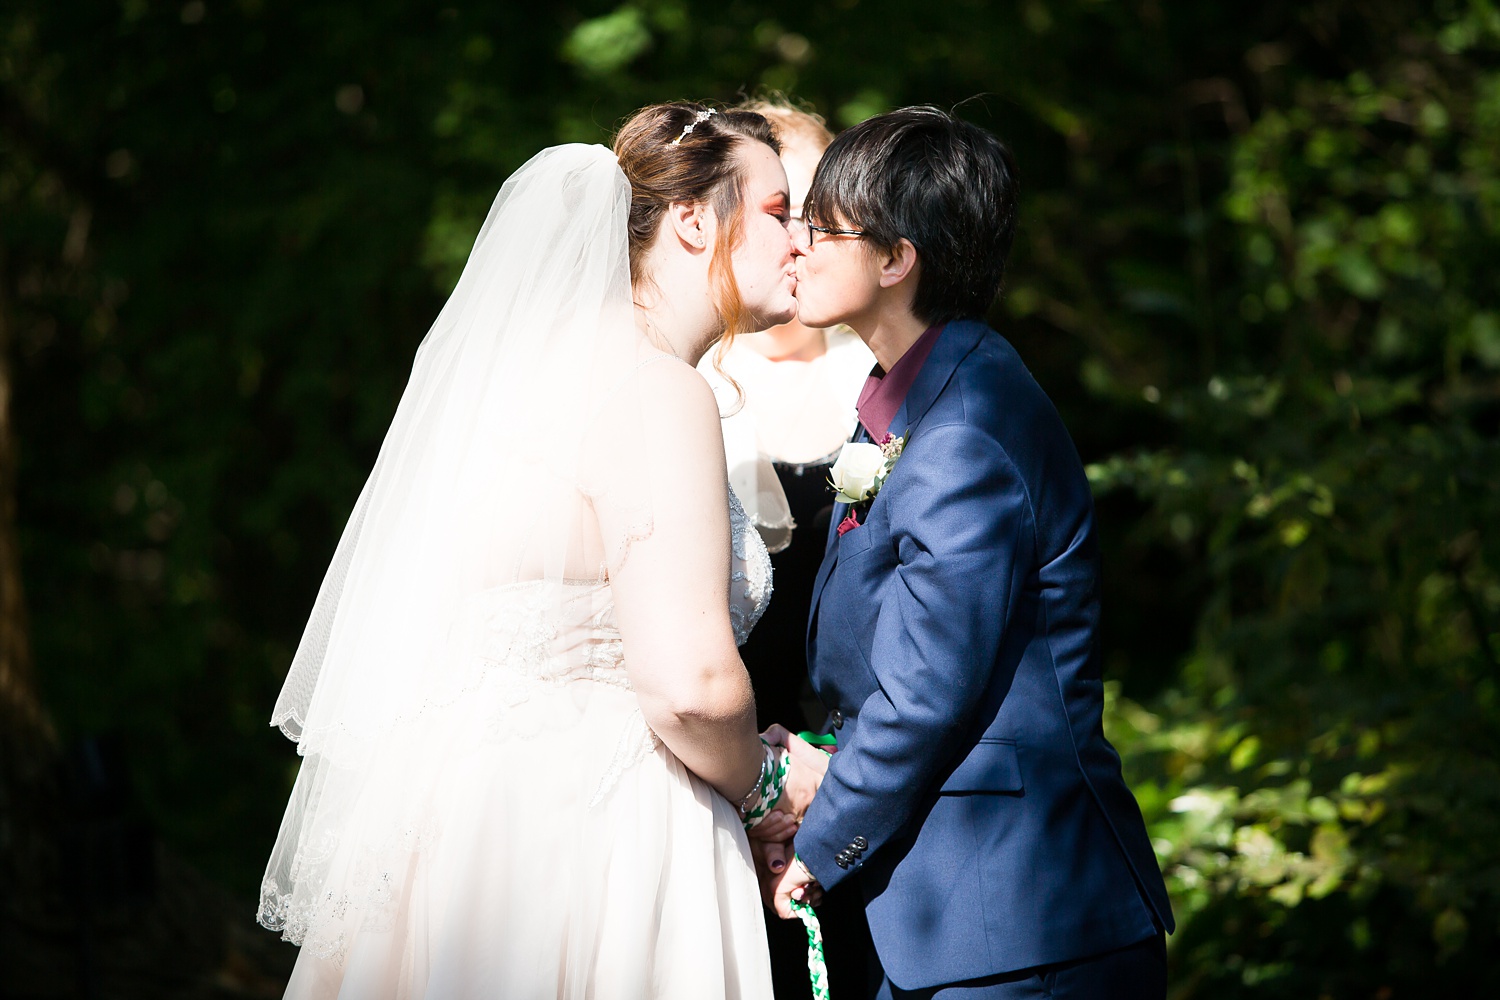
(524, 723)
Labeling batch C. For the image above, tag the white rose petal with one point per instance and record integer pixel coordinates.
(856, 470)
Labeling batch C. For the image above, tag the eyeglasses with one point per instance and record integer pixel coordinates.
(802, 232)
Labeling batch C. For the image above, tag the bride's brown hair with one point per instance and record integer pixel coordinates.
(702, 166)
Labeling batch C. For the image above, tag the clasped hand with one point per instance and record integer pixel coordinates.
(781, 880)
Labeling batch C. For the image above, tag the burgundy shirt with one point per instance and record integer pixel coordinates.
(884, 392)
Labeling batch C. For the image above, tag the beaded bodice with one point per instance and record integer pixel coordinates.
(749, 572)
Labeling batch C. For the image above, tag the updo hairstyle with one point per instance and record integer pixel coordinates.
(702, 167)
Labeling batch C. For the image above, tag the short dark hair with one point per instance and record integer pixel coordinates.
(946, 185)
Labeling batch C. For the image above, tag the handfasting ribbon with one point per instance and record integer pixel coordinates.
(772, 784)
(817, 964)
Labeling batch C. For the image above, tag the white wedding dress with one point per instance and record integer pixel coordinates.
(481, 810)
(560, 850)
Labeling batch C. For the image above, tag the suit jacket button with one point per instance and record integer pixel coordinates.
(841, 861)
(838, 718)
(861, 843)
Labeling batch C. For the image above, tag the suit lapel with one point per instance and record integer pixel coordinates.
(955, 343)
(899, 424)
(831, 546)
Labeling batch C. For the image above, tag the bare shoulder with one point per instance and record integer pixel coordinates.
(664, 420)
(676, 386)
(677, 402)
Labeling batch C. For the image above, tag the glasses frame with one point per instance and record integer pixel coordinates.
(797, 222)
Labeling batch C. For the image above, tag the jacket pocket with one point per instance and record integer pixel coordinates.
(854, 541)
(991, 766)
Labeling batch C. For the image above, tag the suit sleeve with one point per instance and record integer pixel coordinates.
(961, 522)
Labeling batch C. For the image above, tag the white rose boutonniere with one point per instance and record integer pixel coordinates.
(859, 472)
(856, 471)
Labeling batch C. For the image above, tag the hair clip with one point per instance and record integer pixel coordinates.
(698, 119)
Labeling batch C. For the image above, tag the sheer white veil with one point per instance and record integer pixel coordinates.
(474, 491)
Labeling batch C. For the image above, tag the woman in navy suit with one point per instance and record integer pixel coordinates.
(954, 628)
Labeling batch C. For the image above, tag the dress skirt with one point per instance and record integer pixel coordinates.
(565, 853)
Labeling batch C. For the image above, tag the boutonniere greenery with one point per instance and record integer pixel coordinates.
(859, 472)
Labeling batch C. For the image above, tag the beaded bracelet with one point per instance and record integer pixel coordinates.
(772, 783)
(754, 792)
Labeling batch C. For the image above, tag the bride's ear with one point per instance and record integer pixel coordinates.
(691, 222)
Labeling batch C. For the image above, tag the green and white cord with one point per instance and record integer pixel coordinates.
(767, 792)
(817, 963)
(770, 786)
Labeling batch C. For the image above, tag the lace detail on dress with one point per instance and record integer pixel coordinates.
(750, 581)
(637, 742)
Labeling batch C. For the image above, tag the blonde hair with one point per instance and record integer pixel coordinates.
(794, 125)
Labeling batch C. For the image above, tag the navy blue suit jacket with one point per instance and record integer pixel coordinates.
(954, 639)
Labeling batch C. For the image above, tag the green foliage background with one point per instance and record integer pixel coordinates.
(1254, 272)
